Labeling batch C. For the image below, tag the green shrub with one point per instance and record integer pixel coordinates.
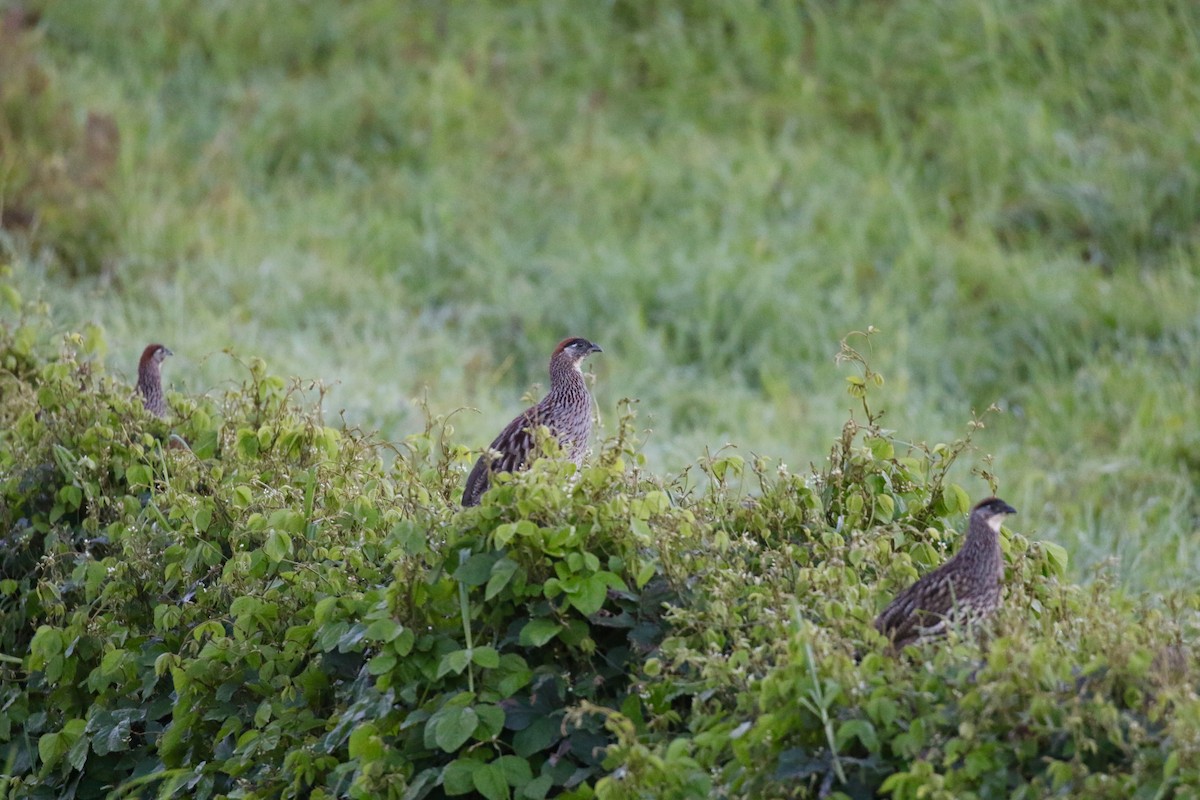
(295, 610)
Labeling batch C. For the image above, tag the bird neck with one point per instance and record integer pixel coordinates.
(566, 376)
(148, 374)
(983, 542)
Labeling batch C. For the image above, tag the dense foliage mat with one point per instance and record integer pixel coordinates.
(296, 609)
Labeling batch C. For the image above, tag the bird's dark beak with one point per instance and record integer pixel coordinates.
(595, 348)
(1007, 509)
(167, 350)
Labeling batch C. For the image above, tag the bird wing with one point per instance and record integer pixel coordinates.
(920, 610)
(506, 453)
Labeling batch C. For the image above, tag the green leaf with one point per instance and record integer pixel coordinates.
(590, 594)
(278, 546)
(1057, 555)
(50, 748)
(72, 496)
(53, 746)
(538, 737)
(538, 788)
(110, 733)
(881, 448)
(384, 662)
(515, 673)
(323, 610)
(383, 630)
(859, 729)
(247, 443)
(365, 743)
(47, 643)
(645, 574)
(538, 631)
(504, 534)
(455, 661)
(454, 727)
(486, 657)
(403, 644)
(243, 496)
(956, 499)
(138, 476)
(202, 519)
(77, 755)
(885, 508)
(516, 770)
(490, 782)
(457, 776)
(491, 722)
(285, 519)
(477, 569)
(502, 572)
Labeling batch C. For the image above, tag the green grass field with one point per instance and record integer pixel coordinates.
(418, 200)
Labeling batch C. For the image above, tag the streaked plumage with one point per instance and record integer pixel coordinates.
(149, 384)
(965, 587)
(566, 410)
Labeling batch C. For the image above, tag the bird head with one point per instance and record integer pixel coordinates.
(992, 512)
(154, 354)
(575, 350)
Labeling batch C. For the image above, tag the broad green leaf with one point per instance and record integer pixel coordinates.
(539, 736)
(365, 743)
(477, 569)
(278, 546)
(538, 788)
(502, 572)
(486, 657)
(50, 748)
(491, 721)
(645, 574)
(515, 675)
(403, 644)
(491, 782)
(1057, 555)
(138, 476)
(538, 631)
(111, 734)
(956, 499)
(590, 594)
(202, 519)
(77, 755)
(383, 630)
(881, 448)
(247, 443)
(47, 643)
(384, 662)
(504, 534)
(885, 508)
(454, 728)
(516, 770)
(457, 776)
(455, 661)
(859, 729)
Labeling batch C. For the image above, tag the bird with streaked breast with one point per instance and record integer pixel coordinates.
(566, 410)
(965, 588)
(149, 382)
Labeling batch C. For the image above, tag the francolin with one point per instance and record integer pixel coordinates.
(965, 588)
(566, 410)
(149, 383)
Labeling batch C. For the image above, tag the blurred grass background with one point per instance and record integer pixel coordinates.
(421, 198)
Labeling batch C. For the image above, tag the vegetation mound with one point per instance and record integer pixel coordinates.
(297, 609)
